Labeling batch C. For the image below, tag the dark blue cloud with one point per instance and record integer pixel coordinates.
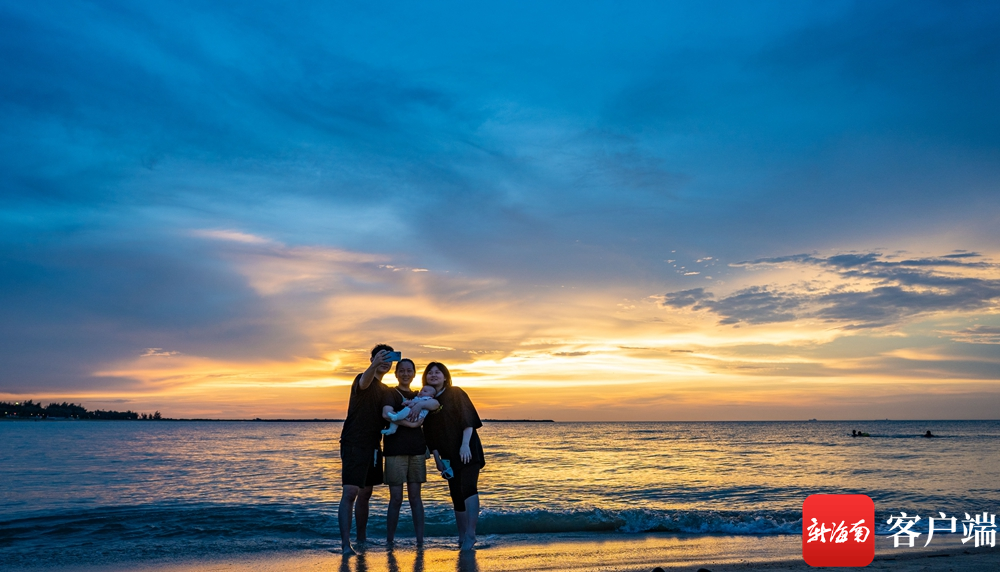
(900, 290)
(72, 307)
(286, 93)
(685, 298)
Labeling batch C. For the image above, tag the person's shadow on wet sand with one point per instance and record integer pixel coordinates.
(467, 561)
(361, 564)
(393, 564)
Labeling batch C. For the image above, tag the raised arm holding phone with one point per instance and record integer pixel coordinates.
(360, 452)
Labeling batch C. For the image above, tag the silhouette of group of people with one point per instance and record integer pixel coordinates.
(442, 423)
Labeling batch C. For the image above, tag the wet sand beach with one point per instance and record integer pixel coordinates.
(583, 553)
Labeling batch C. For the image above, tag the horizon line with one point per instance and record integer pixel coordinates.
(339, 420)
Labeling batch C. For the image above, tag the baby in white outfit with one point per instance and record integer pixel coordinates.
(426, 392)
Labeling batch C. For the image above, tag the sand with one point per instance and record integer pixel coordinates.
(582, 553)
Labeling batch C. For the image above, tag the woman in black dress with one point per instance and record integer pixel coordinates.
(451, 436)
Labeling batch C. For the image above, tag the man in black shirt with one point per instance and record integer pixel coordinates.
(360, 455)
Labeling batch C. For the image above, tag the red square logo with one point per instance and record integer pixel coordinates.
(838, 530)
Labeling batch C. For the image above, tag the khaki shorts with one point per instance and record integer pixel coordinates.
(401, 469)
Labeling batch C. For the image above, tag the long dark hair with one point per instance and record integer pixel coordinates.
(442, 368)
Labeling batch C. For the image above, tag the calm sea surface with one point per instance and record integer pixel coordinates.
(86, 490)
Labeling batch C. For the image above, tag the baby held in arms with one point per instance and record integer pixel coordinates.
(426, 392)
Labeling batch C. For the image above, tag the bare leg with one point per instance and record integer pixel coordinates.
(392, 515)
(344, 517)
(471, 520)
(417, 510)
(462, 522)
(361, 512)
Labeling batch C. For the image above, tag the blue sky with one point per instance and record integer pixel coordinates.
(160, 159)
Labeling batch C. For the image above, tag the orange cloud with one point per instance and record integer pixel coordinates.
(566, 354)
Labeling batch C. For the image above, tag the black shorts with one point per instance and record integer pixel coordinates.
(463, 485)
(360, 466)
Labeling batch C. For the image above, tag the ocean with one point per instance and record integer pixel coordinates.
(119, 491)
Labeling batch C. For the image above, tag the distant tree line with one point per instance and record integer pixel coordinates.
(31, 410)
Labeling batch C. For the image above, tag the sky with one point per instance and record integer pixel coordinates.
(588, 211)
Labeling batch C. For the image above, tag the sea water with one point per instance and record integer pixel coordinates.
(92, 491)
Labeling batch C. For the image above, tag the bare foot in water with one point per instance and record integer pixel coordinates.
(468, 544)
(348, 550)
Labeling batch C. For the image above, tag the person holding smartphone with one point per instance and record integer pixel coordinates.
(360, 439)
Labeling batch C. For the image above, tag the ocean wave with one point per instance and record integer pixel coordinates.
(249, 527)
(641, 520)
(150, 532)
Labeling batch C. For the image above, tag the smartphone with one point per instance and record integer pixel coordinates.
(394, 356)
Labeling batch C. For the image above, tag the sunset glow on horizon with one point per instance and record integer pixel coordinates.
(614, 219)
(796, 351)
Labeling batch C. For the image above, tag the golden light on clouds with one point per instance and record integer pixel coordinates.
(780, 339)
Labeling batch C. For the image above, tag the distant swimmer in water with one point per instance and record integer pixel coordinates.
(929, 435)
(859, 434)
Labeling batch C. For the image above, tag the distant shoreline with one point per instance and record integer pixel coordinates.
(518, 421)
(247, 420)
(170, 419)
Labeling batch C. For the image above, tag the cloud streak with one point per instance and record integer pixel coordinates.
(871, 291)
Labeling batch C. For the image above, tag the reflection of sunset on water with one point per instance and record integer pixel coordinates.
(651, 490)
